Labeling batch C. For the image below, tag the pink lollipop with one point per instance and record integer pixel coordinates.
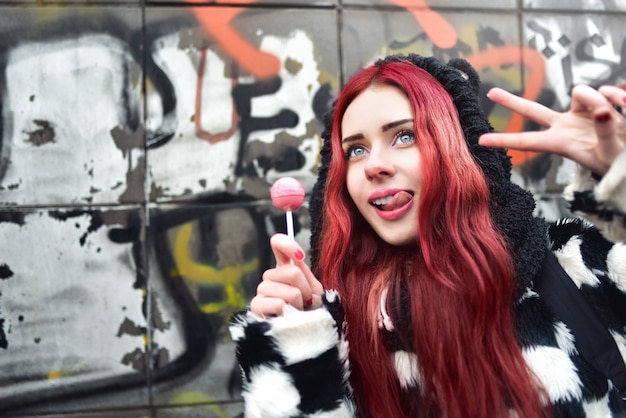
(287, 195)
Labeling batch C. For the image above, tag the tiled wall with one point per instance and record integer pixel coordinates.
(138, 142)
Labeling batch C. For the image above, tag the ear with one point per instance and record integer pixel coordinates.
(467, 71)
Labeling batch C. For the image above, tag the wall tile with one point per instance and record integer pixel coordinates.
(587, 5)
(416, 4)
(205, 265)
(72, 307)
(73, 120)
(223, 120)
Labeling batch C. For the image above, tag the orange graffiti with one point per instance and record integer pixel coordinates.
(217, 21)
(533, 61)
(201, 133)
(435, 26)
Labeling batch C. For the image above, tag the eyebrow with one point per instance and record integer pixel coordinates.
(384, 128)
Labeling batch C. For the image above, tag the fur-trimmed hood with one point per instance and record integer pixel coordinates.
(511, 206)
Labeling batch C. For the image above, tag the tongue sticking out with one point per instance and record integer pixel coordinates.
(399, 199)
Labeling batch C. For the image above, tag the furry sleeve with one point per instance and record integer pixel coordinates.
(603, 203)
(593, 253)
(295, 364)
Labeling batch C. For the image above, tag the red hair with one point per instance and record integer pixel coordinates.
(459, 315)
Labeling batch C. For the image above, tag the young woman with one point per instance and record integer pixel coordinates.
(427, 256)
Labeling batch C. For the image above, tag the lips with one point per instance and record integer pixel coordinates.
(391, 204)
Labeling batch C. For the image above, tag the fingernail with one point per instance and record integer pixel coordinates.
(624, 99)
(603, 117)
(299, 255)
(309, 302)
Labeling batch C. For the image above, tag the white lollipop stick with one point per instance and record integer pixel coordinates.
(289, 216)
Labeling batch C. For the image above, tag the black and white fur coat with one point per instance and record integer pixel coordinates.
(296, 364)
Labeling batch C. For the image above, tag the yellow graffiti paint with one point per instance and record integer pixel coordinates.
(57, 374)
(229, 277)
(188, 398)
(191, 398)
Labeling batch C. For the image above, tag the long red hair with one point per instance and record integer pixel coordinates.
(459, 276)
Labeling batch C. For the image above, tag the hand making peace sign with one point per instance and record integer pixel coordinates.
(592, 132)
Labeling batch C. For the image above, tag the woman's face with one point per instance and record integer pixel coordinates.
(383, 162)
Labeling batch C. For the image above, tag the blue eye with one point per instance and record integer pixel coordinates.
(355, 151)
(405, 137)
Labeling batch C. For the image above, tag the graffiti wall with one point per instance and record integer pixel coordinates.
(138, 142)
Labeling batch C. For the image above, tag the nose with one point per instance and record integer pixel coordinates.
(378, 164)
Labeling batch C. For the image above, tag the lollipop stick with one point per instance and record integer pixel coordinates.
(287, 194)
(289, 216)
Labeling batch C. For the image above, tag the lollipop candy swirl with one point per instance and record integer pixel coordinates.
(287, 195)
